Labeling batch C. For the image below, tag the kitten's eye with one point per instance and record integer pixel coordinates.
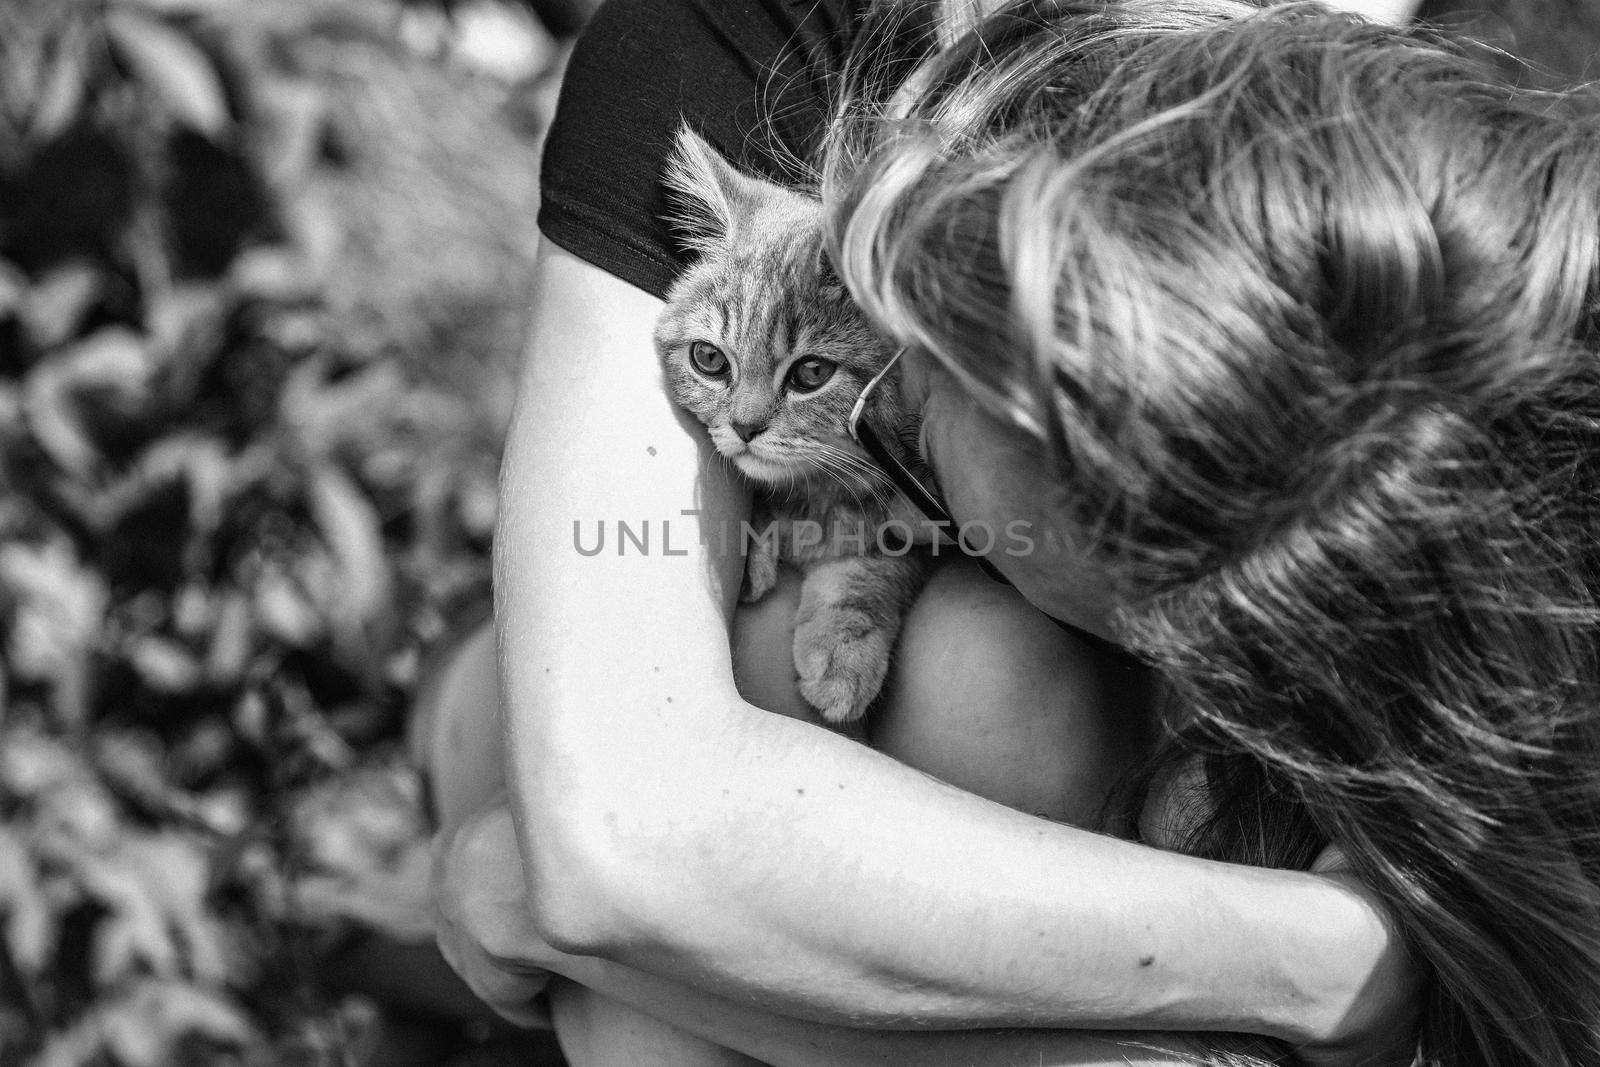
(811, 374)
(708, 359)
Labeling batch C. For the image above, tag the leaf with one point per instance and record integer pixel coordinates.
(114, 364)
(366, 843)
(290, 125)
(317, 232)
(202, 752)
(283, 611)
(202, 463)
(13, 290)
(186, 324)
(502, 41)
(60, 608)
(305, 727)
(114, 952)
(76, 822)
(225, 813)
(32, 763)
(272, 273)
(174, 68)
(174, 870)
(395, 900)
(78, 1045)
(53, 419)
(232, 640)
(164, 665)
(362, 820)
(61, 89)
(12, 425)
(142, 1029)
(362, 412)
(30, 926)
(138, 924)
(251, 716)
(114, 361)
(477, 503)
(131, 763)
(193, 610)
(43, 68)
(350, 527)
(56, 305)
(212, 479)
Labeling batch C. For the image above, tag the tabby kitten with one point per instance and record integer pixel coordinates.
(762, 344)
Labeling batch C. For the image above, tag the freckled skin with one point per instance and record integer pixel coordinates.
(763, 297)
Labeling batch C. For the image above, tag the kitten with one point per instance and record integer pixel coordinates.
(761, 343)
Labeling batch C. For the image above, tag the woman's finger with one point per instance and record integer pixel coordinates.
(484, 927)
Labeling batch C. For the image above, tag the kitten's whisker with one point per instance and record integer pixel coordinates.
(852, 462)
(877, 483)
(829, 460)
(841, 475)
(863, 482)
(829, 467)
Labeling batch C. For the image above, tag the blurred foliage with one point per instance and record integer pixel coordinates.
(263, 267)
(263, 273)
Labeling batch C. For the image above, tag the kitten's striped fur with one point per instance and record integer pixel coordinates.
(761, 305)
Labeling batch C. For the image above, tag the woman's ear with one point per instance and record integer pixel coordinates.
(711, 196)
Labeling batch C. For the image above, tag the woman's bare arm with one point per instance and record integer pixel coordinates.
(667, 826)
(768, 1037)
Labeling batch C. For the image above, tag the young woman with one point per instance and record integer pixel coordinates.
(1281, 325)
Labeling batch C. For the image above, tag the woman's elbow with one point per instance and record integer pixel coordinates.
(607, 811)
(579, 890)
(599, 863)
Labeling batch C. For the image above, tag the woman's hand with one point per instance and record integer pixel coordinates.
(482, 921)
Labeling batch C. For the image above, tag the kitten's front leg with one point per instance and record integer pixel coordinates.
(762, 553)
(849, 617)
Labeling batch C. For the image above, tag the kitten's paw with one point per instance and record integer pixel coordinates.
(841, 667)
(760, 575)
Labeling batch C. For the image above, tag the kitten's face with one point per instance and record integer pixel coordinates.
(761, 342)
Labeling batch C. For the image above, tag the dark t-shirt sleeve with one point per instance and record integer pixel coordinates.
(752, 76)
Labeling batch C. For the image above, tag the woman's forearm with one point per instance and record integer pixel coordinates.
(667, 826)
(782, 1041)
(906, 902)
(481, 891)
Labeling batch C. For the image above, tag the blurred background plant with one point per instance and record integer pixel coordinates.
(263, 277)
(263, 272)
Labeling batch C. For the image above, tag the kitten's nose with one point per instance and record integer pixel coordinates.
(747, 430)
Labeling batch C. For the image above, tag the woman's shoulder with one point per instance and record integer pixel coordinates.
(754, 78)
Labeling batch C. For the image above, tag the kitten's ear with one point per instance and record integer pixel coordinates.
(712, 196)
(829, 285)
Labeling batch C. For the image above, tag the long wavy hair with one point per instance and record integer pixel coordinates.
(1302, 310)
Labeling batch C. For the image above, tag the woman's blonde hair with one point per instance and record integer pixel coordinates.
(1303, 312)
